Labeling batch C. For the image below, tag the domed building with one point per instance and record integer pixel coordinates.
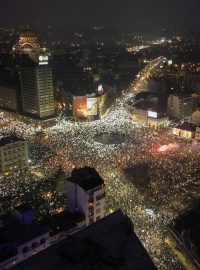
(196, 117)
(28, 44)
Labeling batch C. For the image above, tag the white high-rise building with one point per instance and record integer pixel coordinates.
(13, 154)
(86, 194)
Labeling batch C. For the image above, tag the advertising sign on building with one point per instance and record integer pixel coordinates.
(152, 114)
(43, 59)
(80, 106)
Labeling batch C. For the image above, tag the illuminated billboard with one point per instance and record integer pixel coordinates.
(91, 106)
(152, 114)
(80, 106)
(43, 59)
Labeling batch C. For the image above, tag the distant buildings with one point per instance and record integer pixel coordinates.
(13, 154)
(93, 106)
(86, 194)
(8, 98)
(192, 81)
(37, 97)
(139, 108)
(196, 117)
(9, 84)
(78, 71)
(106, 98)
(146, 110)
(182, 105)
(157, 86)
(197, 134)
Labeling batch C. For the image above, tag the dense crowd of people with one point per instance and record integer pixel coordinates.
(169, 179)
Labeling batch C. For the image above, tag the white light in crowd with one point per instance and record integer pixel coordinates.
(100, 88)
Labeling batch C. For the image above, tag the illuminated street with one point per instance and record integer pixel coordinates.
(169, 169)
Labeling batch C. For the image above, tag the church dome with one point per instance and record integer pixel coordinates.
(28, 44)
(27, 33)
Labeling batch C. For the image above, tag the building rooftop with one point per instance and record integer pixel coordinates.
(106, 245)
(145, 96)
(63, 221)
(184, 95)
(87, 178)
(144, 105)
(27, 233)
(187, 126)
(10, 139)
(13, 231)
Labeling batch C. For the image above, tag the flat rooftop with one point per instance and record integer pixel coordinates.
(10, 139)
(18, 233)
(87, 178)
(144, 105)
(187, 127)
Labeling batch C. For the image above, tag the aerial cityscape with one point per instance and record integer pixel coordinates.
(100, 135)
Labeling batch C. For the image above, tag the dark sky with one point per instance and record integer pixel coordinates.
(146, 13)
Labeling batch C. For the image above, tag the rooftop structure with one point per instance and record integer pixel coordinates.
(87, 178)
(22, 236)
(185, 130)
(182, 105)
(10, 139)
(108, 244)
(187, 126)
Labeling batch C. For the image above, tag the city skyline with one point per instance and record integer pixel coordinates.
(100, 121)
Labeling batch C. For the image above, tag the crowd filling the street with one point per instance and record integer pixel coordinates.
(151, 175)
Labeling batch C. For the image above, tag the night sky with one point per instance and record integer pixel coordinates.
(145, 13)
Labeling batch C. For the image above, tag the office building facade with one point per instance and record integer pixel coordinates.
(182, 106)
(13, 154)
(8, 98)
(37, 88)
